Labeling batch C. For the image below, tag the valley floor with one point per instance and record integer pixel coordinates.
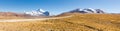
(73, 22)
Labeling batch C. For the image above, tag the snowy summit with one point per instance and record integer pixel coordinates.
(88, 10)
(38, 12)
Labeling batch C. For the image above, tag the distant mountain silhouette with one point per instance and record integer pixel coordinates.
(87, 10)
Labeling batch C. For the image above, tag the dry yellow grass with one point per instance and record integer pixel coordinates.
(78, 22)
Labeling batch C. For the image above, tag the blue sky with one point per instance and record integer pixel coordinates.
(58, 6)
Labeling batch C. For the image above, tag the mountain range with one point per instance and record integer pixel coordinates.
(41, 13)
(74, 20)
(87, 10)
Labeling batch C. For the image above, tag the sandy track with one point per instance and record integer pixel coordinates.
(21, 20)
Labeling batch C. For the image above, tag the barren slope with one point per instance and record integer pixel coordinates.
(78, 22)
(12, 15)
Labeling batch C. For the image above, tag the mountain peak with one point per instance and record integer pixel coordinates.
(38, 12)
(87, 10)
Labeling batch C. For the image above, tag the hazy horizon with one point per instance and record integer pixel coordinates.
(58, 6)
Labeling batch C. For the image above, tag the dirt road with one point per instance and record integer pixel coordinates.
(21, 20)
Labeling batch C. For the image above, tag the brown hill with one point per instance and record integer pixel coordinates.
(12, 15)
(78, 22)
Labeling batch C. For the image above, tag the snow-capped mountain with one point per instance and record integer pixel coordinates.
(99, 11)
(87, 10)
(38, 12)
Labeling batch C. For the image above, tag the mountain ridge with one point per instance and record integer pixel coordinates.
(87, 10)
(38, 12)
